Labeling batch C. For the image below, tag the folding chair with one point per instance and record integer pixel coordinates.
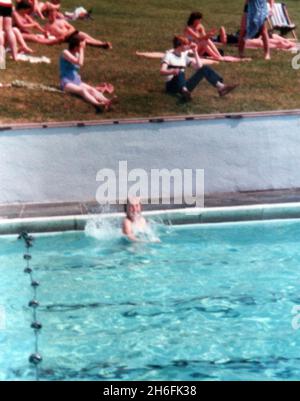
(280, 21)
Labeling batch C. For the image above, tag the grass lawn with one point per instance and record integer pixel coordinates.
(149, 25)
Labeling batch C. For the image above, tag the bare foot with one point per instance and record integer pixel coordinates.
(27, 50)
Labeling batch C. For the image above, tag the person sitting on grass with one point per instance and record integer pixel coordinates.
(134, 223)
(176, 61)
(63, 30)
(6, 9)
(70, 62)
(23, 20)
(26, 24)
(38, 8)
(196, 33)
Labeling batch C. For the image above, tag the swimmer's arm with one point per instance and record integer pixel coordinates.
(127, 230)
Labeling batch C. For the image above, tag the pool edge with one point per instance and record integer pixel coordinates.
(171, 217)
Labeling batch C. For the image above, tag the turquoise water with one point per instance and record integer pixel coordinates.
(208, 303)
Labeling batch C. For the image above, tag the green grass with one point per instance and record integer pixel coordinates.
(149, 25)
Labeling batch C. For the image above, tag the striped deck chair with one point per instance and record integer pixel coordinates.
(280, 20)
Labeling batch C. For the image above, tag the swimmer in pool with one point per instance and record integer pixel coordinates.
(134, 223)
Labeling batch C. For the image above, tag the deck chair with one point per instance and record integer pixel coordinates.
(280, 21)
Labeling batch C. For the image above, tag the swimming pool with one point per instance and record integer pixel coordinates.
(210, 302)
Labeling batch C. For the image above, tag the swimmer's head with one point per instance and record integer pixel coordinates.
(133, 208)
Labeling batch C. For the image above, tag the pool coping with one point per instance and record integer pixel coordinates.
(231, 214)
(147, 120)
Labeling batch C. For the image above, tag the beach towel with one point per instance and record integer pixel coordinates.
(34, 59)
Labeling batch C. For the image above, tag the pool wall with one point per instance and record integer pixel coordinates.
(171, 217)
(238, 153)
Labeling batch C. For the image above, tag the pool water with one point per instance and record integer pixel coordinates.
(209, 302)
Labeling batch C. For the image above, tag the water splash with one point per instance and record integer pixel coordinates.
(103, 228)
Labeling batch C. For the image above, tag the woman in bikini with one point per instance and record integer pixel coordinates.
(196, 33)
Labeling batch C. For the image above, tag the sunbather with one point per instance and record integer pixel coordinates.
(23, 20)
(70, 62)
(196, 33)
(63, 31)
(275, 41)
(39, 8)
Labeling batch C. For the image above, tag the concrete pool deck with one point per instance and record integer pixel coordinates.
(61, 209)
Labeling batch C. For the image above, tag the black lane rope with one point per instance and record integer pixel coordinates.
(35, 358)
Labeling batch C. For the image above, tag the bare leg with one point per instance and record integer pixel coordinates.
(2, 49)
(243, 31)
(265, 38)
(31, 37)
(21, 41)
(11, 38)
(93, 42)
(223, 35)
(81, 90)
(95, 93)
(212, 51)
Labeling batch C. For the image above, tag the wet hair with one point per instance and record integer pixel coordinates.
(23, 5)
(74, 41)
(180, 41)
(193, 17)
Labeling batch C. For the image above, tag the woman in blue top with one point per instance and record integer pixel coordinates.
(254, 24)
(70, 62)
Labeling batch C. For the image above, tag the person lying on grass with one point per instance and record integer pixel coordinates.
(63, 30)
(176, 61)
(196, 33)
(276, 42)
(70, 62)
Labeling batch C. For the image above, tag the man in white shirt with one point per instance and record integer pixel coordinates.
(176, 61)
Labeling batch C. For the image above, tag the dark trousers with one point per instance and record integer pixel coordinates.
(179, 81)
